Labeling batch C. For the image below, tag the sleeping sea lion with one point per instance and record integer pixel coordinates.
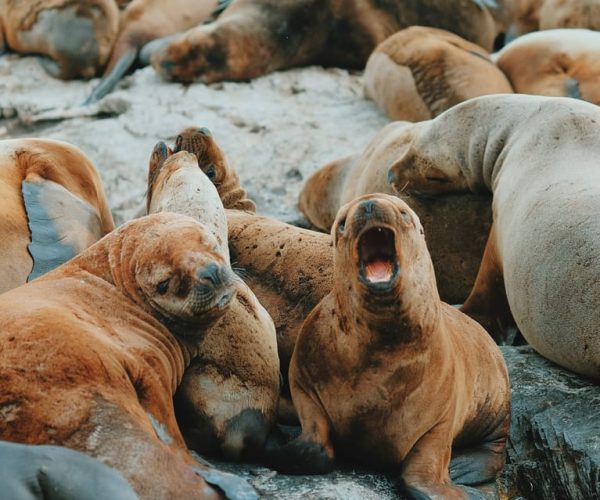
(255, 37)
(456, 226)
(420, 72)
(558, 63)
(227, 401)
(93, 351)
(75, 37)
(52, 206)
(539, 158)
(385, 373)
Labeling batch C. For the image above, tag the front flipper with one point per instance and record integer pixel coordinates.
(61, 225)
(482, 464)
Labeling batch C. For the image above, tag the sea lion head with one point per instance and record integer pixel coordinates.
(170, 265)
(380, 247)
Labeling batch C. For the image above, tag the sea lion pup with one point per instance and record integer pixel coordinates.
(227, 401)
(559, 63)
(420, 72)
(456, 226)
(75, 37)
(255, 37)
(52, 206)
(539, 157)
(93, 351)
(146, 20)
(385, 373)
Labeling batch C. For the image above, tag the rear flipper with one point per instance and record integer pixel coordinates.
(110, 80)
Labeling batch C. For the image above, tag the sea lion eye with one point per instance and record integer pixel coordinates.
(342, 226)
(211, 172)
(163, 286)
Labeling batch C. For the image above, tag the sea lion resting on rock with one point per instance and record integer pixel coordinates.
(255, 37)
(558, 63)
(227, 401)
(93, 351)
(539, 157)
(52, 206)
(456, 226)
(75, 37)
(420, 72)
(385, 373)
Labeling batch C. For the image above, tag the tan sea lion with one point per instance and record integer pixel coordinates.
(52, 206)
(456, 226)
(227, 401)
(385, 373)
(255, 37)
(539, 157)
(420, 72)
(93, 351)
(570, 14)
(75, 37)
(559, 63)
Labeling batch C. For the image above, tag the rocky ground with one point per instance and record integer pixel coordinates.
(277, 130)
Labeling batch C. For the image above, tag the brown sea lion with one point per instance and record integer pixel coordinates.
(227, 401)
(93, 351)
(420, 72)
(52, 206)
(539, 157)
(75, 37)
(456, 226)
(559, 63)
(385, 373)
(144, 21)
(255, 37)
(570, 14)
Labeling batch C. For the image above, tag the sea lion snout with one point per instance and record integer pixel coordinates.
(214, 285)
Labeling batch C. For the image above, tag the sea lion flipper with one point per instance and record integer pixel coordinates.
(109, 81)
(234, 487)
(478, 465)
(61, 224)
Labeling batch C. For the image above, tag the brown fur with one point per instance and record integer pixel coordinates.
(81, 39)
(559, 63)
(387, 374)
(570, 14)
(254, 37)
(32, 160)
(88, 363)
(420, 72)
(456, 252)
(228, 397)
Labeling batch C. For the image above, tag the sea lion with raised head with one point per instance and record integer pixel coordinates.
(385, 373)
(227, 401)
(420, 72)
(52, 206)
(93, 351)
(539, 158)
(255, 37)
(76, 38)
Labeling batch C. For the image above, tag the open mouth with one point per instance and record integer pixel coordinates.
(377, 254)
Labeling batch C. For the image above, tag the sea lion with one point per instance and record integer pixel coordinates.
(93, 351)
(420, 72)
(385, 373)
(570, 14)
(227, 401)
(558, 63)
(456, 226)
(146, 20)
(539, 157)
(52, 206)
(75, 37)
(255, 37)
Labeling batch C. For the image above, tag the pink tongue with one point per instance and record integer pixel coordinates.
(378, 271)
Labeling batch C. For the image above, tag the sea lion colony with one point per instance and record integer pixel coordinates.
(131, 345)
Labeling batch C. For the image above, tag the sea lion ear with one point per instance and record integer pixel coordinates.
(61, 224)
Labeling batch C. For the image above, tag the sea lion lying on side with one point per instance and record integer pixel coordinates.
(539, 158)
(93, 351)
(255, 37)
(557, 63)
(76, 38)
(385, 373)
(52, 206)
(227, 401)
(456, 226)
(420, 72)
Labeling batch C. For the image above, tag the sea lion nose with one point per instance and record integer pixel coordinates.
(204, 131)
(211, 273)
(368, 207)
